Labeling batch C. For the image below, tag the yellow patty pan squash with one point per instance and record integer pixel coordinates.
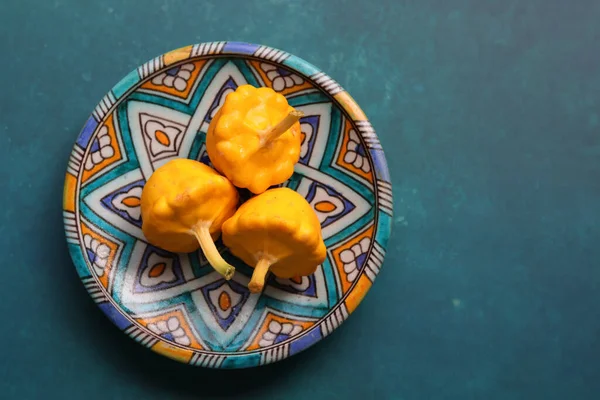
(254, 139)
(184, 204)
(276, 231)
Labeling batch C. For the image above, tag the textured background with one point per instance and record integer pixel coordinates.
(489, 114)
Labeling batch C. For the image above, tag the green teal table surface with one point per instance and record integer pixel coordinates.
(489, 114)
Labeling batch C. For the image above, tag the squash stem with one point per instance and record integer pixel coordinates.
(283, 125)
(258, 276)
(212, 254)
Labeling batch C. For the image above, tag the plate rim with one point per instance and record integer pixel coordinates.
(382, 187)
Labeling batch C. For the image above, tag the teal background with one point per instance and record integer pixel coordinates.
(489, 114)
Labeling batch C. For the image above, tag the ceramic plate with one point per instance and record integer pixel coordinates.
(175, 304)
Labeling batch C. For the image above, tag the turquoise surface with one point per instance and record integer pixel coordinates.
(489, 114)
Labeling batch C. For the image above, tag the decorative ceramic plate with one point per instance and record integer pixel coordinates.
(176, 304)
